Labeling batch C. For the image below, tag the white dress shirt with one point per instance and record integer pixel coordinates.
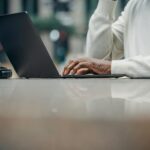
(125, 41)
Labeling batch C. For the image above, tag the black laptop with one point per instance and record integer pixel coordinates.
(26, 50)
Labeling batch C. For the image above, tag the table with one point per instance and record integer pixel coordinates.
(71, 114)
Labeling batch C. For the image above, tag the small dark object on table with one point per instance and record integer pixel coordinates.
(5, 73)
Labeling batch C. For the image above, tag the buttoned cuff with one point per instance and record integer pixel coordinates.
(106, 8)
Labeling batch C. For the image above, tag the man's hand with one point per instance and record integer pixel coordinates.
(87, 65)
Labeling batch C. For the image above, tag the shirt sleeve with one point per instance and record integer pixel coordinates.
(138, 66)
(104, 36)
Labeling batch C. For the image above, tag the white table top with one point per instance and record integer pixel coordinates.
(71, 114)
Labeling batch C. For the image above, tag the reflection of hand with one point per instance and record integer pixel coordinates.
(87, 65)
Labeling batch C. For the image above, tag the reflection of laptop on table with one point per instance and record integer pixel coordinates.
(26, 50)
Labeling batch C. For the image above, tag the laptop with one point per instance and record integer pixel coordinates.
(26, 51)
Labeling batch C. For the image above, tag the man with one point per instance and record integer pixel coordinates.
(120, 47)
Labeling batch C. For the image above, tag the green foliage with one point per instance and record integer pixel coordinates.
(48, 24)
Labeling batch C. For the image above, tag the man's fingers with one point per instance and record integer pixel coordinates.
(69, 67)
(82, 71)
(78, 67)
(73, 71)
(81, 65)
(75, 65)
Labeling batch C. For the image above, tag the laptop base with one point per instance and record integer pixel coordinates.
(92, 76)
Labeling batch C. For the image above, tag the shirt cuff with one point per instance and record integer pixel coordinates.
(106, 8)
(120, 67)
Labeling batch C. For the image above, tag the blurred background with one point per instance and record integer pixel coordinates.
(62, 24)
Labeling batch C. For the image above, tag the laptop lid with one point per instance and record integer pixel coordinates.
(25, 48)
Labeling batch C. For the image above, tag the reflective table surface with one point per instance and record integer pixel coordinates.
(71, 114)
